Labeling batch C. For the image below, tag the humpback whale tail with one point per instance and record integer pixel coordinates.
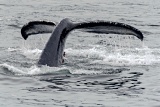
(53, 51)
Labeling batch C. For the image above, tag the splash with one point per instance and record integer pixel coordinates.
(90, 59)
(27, 52)
(118, 57)
(31, 53)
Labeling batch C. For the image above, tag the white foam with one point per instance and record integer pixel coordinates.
(127, 60)
(27, 52)
(33, 70)
(118, 57)
(11, 49)
(90, 53)
(31, 53)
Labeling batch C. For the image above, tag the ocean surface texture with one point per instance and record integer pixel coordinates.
(99, 70)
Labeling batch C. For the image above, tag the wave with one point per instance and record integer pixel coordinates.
(34, 70)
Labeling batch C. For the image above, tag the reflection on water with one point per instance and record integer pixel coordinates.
(113, 81)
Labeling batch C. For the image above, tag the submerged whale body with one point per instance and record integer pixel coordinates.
(52, 54)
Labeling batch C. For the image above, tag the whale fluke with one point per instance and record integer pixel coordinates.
(109, 28)
(37, 27)
(52, 54)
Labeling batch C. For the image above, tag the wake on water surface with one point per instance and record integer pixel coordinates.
(92, 59)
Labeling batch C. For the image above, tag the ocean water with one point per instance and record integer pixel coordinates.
(99, 70)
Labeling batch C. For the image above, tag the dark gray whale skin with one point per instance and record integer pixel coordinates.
(52, 54)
